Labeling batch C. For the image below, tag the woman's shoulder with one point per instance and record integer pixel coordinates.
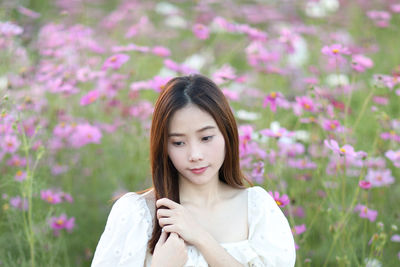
(260, 197)
(258, 190)
(130, 201)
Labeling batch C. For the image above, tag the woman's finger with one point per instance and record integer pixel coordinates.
(162, 239)
(167, 203)
(164, 213)
(172, 230)
(165, 221)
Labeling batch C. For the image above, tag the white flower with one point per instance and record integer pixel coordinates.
(165, 72)
(372, 263)
(3, 82)
(247, 115)
(195, 61)
(321, 8)
(302, 135)
(300, 55)
(337, 79)
(166, 8)
(176, 21)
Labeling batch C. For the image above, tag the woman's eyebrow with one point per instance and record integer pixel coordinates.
(198, 131)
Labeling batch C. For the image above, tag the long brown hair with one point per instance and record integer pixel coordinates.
(205, 94)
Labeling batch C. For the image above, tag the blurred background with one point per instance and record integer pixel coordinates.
(314, 86)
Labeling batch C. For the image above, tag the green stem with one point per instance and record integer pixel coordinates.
(28, 192)
(342, 222)
(364, 106)
(346, 110)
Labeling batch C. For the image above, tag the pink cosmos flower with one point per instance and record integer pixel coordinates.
(306, 103)
(297, 211)
(61, 222)
(381, 18)
(225, 73)
(392, 135)
(280, 200)
(330, 125)
(272, 100)
(381, 100)
(299, 229)
(302, 164)
(377, 162)
(245, 133)
(395, 238)
(20, 176)
(115, 61)
(230, 94)
(224, 24)
(172, 65)
(158, 83)
(161, 51)
(281, 132)
(137, 86)
(58, 169)
(63, 130)
(10, 29)
(28, 12)
(142, 110)
(290, 149)
(386, 80)
(19, 203)
(29, 126)
(201, 31)
(346, 150)
(365, 212)
(130, 47)
(394, 156)
(134, 29)
(335, 50)
(16, 161)
(364, 184)
(311, 80)
(395, 8)
(67, 197)
(379, 178)
(84, 134)
(257, 174)
(90, 97)
(360, 63)
(10, 143)
(50, 196)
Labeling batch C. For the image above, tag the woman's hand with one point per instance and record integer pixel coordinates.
(177, 219)
(169, 252)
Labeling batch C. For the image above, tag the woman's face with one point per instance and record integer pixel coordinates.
(196, 146)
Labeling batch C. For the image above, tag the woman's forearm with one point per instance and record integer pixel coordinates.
(214, 253)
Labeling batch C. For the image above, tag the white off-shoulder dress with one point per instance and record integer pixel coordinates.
(129, 227)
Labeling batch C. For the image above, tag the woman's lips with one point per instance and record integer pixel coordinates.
(199, 171)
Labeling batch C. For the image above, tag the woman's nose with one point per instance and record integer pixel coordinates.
(195, 154)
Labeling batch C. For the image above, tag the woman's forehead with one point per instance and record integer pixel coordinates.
(191, 119)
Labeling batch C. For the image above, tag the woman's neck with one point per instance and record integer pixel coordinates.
(202, 196)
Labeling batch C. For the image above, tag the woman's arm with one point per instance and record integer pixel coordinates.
(176, 219)
(214, 253)
(169, 251)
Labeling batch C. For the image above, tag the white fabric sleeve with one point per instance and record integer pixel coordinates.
(270, 237)
(125, 237)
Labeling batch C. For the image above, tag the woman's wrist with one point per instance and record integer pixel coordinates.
(203, 241)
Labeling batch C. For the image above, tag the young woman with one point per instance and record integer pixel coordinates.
(198, 213)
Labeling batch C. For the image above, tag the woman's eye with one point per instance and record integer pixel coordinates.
(207, 138)
(177, 143)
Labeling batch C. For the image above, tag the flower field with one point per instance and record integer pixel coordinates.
(314, 86)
